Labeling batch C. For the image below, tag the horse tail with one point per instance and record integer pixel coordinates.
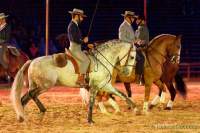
(16, 91)
(180, 85)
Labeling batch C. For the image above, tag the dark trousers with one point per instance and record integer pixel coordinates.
(140, 62)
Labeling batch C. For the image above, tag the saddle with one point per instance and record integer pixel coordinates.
(60, 59)
(73, 60)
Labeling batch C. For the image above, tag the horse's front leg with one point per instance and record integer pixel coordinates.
(161, 97)
(93, 94)
(128, 89)
(110, 89)
(148, 85)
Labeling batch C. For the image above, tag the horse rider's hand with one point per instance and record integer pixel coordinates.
(85, 39)
(91, 46)
(137, 42)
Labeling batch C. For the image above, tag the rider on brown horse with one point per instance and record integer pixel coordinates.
(142, 40)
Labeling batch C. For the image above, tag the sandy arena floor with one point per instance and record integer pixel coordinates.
(65, 114)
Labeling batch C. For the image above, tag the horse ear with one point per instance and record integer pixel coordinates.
(178, 37)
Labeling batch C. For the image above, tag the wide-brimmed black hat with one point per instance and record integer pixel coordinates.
(78, 12)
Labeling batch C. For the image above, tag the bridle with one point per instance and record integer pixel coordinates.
(170, 58)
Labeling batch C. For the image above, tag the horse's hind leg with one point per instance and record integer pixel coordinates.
(33, 94)
(38, 102)
(172, 91)
(27, 97)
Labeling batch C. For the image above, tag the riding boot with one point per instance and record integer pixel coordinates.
(81, 80)
(142, 83)
(137, 79)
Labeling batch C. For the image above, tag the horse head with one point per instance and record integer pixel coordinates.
(167, 46)
(174, 50)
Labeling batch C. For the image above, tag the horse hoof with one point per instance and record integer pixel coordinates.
(137, 111)
(106, 113)
(161, 106)
(129, 108)
(41, 115)
(91, 122)
(20, 119)
(118, 113)
(146, 113)
(168, 108)
(151, 106)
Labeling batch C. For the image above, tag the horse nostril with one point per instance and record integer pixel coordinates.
(132, 57)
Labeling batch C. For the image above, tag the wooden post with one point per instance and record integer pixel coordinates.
(145, 10)
(47, 28)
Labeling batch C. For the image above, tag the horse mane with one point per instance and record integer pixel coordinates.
(159, 37)
(103, 45)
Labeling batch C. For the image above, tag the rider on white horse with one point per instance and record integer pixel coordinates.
(76, 40)
(126, 32)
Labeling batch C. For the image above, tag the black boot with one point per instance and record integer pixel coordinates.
(137, 79)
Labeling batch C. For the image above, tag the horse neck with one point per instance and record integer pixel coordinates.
(105, 57)
(158, 50)
(109, 55)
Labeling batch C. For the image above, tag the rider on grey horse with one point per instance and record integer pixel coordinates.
(127, 34)
(76, 40)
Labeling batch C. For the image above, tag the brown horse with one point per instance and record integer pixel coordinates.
(170, 74)
(159, 50)
(14, 59)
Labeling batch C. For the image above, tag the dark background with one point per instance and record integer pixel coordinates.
(164, 16)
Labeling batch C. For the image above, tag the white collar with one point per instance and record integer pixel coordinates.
(75, 22)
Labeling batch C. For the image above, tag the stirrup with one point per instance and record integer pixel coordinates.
(81, 80)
